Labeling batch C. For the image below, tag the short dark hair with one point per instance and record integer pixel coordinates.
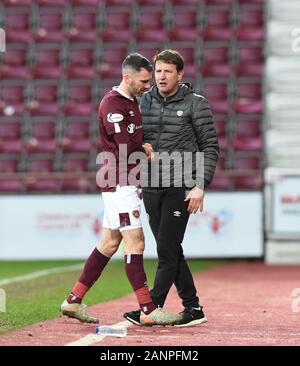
(136, 62)
(170, 57)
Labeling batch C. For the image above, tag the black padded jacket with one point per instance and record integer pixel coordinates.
(181, 123)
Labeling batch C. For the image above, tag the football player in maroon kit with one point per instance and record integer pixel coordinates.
(121, 134)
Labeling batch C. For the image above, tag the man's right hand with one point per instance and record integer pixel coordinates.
(149, 151)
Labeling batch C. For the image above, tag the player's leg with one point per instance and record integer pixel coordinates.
(94, 265)
(174, 218)
(131, 230)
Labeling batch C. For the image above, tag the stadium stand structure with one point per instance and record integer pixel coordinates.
(282, 132)
(64, 55)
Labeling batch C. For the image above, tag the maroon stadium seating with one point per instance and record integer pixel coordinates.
(12, 100)
(10, 137)
(84, 27)
(63, 55)
(47, 65)
(45, 101)
(50, 27)
(42, 138)
(76, 137)
(17, 28)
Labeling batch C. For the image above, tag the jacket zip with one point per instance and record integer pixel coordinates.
(160, 124)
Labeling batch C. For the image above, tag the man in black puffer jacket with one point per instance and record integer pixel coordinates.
(176, 122)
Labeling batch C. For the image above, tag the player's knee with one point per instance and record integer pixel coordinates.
(135, 247)
(109, 247)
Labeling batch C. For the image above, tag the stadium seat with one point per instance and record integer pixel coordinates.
(216, 70)
(81, 64)
(11, 100)
(47, 64)
(45, 101)
(11, 185)
(248, 90)
(215, 55)
(41, 166)
(8, 165)
(14, 65)
(248, 183)
(251, 2)
(116, 27)
(50, 27)
(248, 128)
(79, 182)
(17, 28)
(10, 137)
(220, 126)
(111, 59)
(79, 101)
(223, 143)
(76, 137)
(151, 27)
(117, 3)
(151, 3)
(221, 183)
(184, 2)
(218, 18)
(49, 3)
(73, 165)
(42, 138)
(250, 18)
(219, 106)
(217, 34)
(215, 90)
(17, 3)
(249, 34)
(247, 163)
(184, 26)
(250, 54)
(216, 95)
(37, 183)
(85, 2)
(218, 2)
(249, 69)
(247, 143)
(84, 26)
(248, 106)
(221, 164)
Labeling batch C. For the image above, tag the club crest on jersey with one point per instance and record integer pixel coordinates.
(136, 214)
(131, 128)
(131, 114)
(179, 113)
(114, 117)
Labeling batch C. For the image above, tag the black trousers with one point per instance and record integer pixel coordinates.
(168, 218)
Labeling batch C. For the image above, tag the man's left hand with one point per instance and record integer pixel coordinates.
(196, 197)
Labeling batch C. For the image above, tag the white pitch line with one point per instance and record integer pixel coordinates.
(94, 338)
(45, 272)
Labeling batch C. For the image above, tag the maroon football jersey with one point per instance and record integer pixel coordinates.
(120, 122)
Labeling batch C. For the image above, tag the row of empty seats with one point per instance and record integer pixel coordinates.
(83, 99)
(86, 63)
(185, 29)
(78, 136)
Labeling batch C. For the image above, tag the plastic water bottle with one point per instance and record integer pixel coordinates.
(112, 331)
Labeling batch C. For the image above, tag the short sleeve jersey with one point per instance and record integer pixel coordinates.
(120, 122)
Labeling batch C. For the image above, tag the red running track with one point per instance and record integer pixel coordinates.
(246, 303)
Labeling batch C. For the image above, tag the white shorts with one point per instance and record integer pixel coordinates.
(122, 209)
